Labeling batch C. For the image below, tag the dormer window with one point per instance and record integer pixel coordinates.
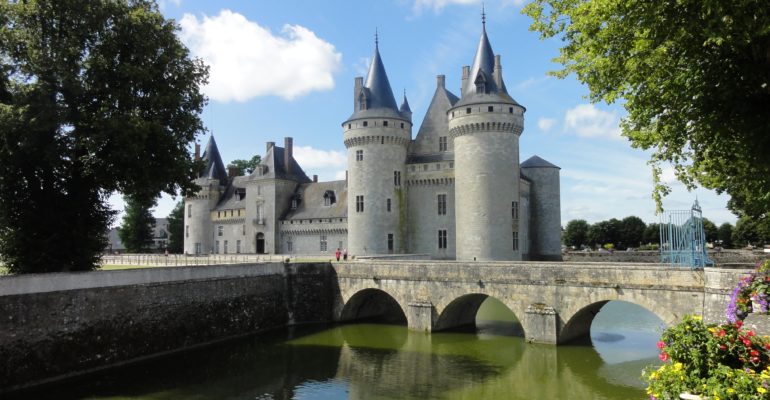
(481, 83)
(329, 198)
(294, 204)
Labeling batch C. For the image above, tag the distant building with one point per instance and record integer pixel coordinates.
(160, 236)
(455, 191)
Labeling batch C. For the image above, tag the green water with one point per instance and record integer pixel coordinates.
(367, 361)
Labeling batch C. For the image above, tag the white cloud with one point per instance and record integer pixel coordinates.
(586, 120)
(438, 5)
(309, 157)
(545, 124)
(246, 60)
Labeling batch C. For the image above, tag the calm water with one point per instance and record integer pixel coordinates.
(366, 361)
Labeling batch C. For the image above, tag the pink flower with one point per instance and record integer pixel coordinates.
(661, 345)
(663, 356)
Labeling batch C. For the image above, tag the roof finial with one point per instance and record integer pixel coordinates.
(483, 16)
(376, 37)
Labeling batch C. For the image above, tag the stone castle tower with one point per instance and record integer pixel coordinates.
(376, 136)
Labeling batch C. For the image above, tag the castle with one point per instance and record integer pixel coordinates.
(455, 191)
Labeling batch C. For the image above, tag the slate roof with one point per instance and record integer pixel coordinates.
(275, 167)
(405, 106)
(214, 168)
(230, 199)
(378, 92)
(537, 162)
(311, 204)
(434, 124)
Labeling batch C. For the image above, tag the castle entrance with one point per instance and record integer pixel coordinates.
(260, 243)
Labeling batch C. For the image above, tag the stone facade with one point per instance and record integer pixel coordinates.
(457, 190)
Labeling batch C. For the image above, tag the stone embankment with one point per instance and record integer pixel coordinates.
(723, 258)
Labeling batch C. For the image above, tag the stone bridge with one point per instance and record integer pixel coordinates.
(555, 302)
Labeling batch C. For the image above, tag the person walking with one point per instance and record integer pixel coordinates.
(337, 254)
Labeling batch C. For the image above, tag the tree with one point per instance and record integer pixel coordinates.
(96, 96)
(632, 231)
(725, 234)
(136, 233)
(694, 77)
(246, 167)
(652, 233)
(603, 232)
(176, 229)
(575, 233)
(711, 230)
(751, 231)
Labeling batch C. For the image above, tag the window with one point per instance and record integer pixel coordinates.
(397, 178)
(323, 243)
(327, 201)
(390, 242)
(220, 230)
(219, 214)
(359, 203)
(359, 155)
(244, 229)
(187, 231)
(216, 249)
(231, 213)
(387, 205)
(438, 166)
(510, 110)
(453, 114)
(451, 165)
(348, 126)
(225, 247)
(366, 123)
(442, 239)
(402, 125)
(515, 241)
(289, 245)
(442, 204)
(294, 204)
(425, 167)
(189, 210)
(442, 143)
(237, 247)
(515, 210)
(468, 110)
(197, 248)
(490, 108)
(384, 123)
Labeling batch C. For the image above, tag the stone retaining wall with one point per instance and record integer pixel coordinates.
(78, 322)
(724, 257)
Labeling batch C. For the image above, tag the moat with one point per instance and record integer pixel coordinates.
(374, 361)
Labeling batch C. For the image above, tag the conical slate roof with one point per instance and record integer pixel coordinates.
(405, 105)
(484, 62)
(380, 93)
(215, 168)
(537, 162)
(435, 123)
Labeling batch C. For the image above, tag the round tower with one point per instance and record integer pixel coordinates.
(376, 137)
(198, 232)
(485, 126)
(545, 213)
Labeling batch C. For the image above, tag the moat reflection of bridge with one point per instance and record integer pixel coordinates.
(555, 302)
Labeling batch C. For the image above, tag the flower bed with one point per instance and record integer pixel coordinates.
(751, 294)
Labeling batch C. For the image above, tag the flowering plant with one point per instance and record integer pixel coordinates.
(751, 294)
(714, 361)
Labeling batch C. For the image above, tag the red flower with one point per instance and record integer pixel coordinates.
(738, 324)
(661, 345)
(722, 333)
(767, 346)
(746, 342)
(750, 333)
(754, 353)
(722, 347)
(663, 356)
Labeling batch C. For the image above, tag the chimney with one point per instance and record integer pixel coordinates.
(232, 171)
(440, 81)
(197, 151)
(315, 178)
(356, 90)
(497, 73)
(466, 72)
(288, 154)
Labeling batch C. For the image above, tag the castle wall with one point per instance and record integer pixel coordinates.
(306, 236)
(525, 238)
(426, 182)
(546, 213)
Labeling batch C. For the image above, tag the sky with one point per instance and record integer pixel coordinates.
(286, 68)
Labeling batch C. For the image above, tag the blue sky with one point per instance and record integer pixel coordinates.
(286, 68)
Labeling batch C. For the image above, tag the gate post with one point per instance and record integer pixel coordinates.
(541, 324)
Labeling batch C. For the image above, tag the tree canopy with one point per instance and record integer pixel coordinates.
(246, 166)
(576, 232)
(693, 75)
(176, 229)
(136, 233)
(96, 97)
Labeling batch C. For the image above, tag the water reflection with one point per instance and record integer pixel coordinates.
(367, 361)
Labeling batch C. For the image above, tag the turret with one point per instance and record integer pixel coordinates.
(376, 136)
(485, 125)
(545, 212)
(197, 216)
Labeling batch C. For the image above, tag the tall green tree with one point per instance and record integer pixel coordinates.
(247, 166)
(652, 233)
(711, 230)
(693, 75)
(632, 231)
(136, 233)
(725, 234)
(751, 231)
(575, 234)
(96, 97)
(176, 229)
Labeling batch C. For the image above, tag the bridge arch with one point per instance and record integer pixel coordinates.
(462, 312)
(578, 324)
(374, 305)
